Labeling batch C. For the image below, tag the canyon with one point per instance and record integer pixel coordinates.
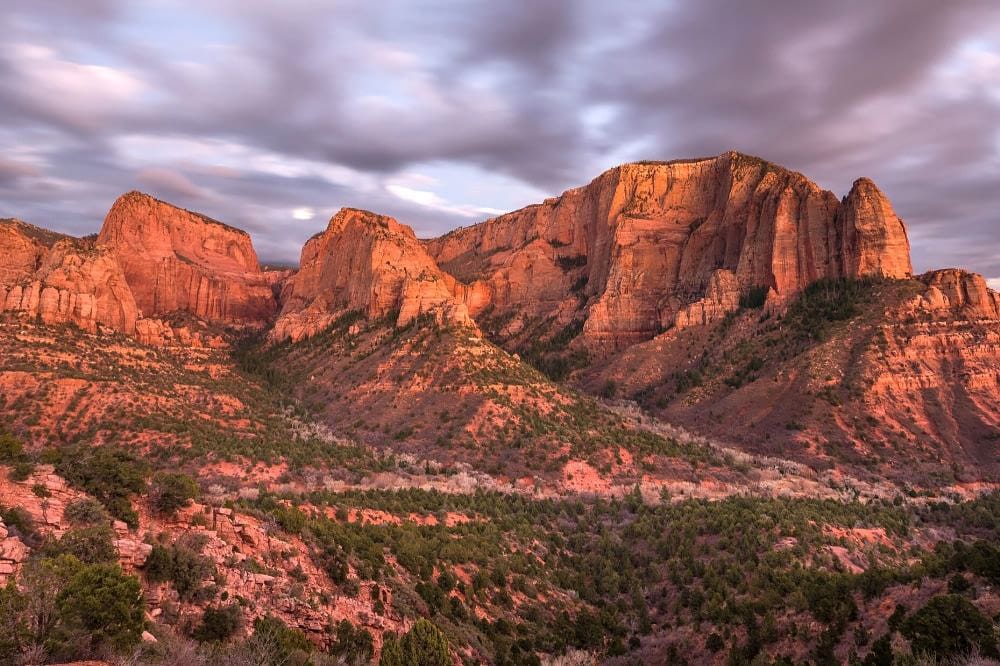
(719, 335)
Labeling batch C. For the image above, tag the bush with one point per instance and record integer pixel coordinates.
(218, 623)
(172, 491)
(754, 298)
(714, 642)
(109, 474)
(12, 453)
(950, 625)
(106, 604)
(181, 565)
(286, 644)
(11, 449)
(352, 645)
(423, 644)
(90, 545)
(18, 519)
(86, 512)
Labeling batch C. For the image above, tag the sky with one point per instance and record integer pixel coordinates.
(270, 116)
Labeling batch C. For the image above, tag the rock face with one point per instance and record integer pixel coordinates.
(175, 260)
(631, 250)
(875, 241)
(721, 298)
(58, 279)
(959, 292)
(23, 247)
(370, 263)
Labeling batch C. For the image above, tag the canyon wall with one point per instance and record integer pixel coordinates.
(178, 261)
(58, 279)
(368, 263)
(631, 250)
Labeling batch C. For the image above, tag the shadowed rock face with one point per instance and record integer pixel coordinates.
(175, 260)
(628, 252)
(368, 263)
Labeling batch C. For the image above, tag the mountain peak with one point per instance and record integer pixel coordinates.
(370, 263)
(178, 260)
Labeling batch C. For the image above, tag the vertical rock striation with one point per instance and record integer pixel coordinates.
(179, 261)
(631, 250)
(368, 263)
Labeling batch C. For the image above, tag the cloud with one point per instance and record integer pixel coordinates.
(429, 199)
(13, 170)
(169, 184)
(41, 83)
(994, 283)
(252, 109)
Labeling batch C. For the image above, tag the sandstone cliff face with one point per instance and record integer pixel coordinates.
(58, 279)
(632, 249)
(23, 247)
(175, 260)
(875, 240)
(366, 262)
(958, 293)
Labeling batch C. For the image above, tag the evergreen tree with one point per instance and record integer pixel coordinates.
(422, 645)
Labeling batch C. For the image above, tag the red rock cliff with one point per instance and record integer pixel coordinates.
(59, 279)
(634, 248)
(367, 262)
(958, 293)
(176, 260)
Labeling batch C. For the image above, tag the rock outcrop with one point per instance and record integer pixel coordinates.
(960, 293)
(368, 263)
(23, 248)
(58, 279)
(721, 297)
(628, 252)
(178, 261)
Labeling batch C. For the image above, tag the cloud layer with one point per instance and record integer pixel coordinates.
(271, 115)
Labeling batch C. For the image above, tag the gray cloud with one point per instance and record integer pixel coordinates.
(549, 92)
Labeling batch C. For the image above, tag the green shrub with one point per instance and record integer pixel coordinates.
(181, 565)
(11, 449)
(754, 298)
(352, 645)
(22, 470)
(172, 491)
(111, 475)
(949, 625)
(18, 518)
(287, 644)
(422, 645)
(104, 603)
(85, 512)
(218, 623)
(90, 545)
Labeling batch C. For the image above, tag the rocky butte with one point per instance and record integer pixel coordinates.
(59, 279)
(178, 261)
(648, 246)
(370, 263)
